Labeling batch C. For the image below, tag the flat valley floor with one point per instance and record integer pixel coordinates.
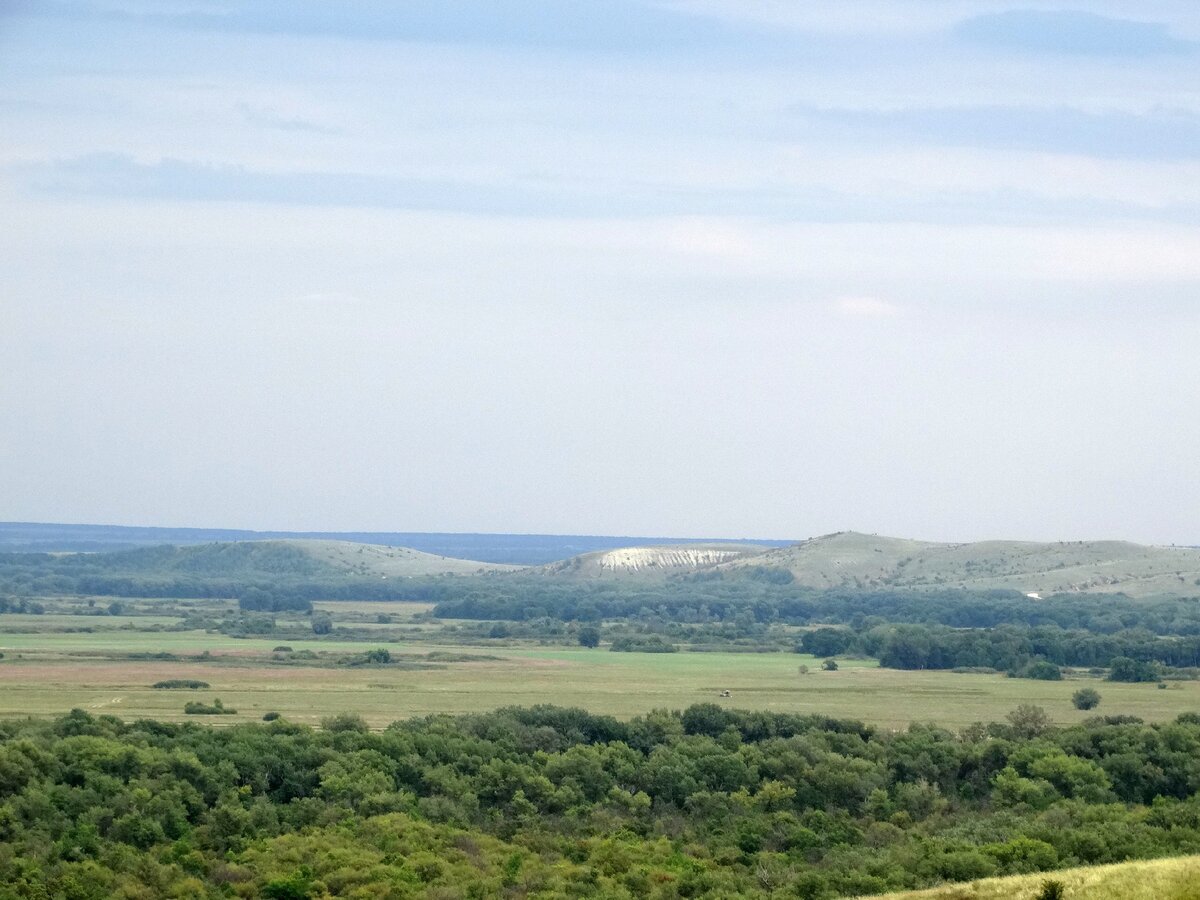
(48, 669)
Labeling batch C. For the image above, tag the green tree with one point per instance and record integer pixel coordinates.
(1028, 720)
(1122, 668)
(1086, 698)
(589, 636)
(1042, 671)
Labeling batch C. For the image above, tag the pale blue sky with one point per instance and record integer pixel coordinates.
(921, 267)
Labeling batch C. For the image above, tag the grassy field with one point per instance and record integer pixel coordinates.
(51, 672)
(1161, 879)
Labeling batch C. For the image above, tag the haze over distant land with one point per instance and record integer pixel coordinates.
(614, 267)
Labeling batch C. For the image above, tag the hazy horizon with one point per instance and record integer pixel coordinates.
(689, 269)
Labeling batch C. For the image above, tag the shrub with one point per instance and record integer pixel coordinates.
(1041, 671)
(1086, 698)
(589, 636)
(270, 716)
(196, 708)
(1052, 890)
(345, 722)
(1029, 720)
(1122, 668)
(830, 665)
(652, 644)
(177, 684)
(282, 648)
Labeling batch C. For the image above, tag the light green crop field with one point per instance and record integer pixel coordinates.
(51, 672)
(1159, 879)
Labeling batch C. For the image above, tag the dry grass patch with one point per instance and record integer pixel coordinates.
(1159, 879)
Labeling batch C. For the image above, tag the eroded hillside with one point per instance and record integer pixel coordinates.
(850, 559)
(665, 560)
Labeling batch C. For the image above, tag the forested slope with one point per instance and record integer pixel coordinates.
(551, 802)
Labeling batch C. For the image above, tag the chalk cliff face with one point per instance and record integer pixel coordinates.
(665, 560)
(637, 559)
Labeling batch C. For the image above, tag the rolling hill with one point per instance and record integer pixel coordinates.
(264, 560)
(841, 560)
(851, 559)
(392, 562)
(510, 549)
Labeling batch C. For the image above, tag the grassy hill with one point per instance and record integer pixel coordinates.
(513, 549)
(1160, 879)
(846, 559)
(393, 562)
(282, 560)
(850, 559)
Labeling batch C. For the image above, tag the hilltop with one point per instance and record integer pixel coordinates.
(843, 560)
(851, 559)
(510, 549)
(393, 562)
(274, 560)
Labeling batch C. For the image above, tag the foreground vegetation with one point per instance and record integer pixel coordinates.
(549, 801)
(1160, 879)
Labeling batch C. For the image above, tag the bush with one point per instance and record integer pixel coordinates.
(282, 648)
(379, 655)
(1041, 671)
(1052, 890)
(652, 644)
(345, 722)
(196, 708)
(177, 684)
(589, 636)
(270, 716)
(1028, 720)
(830, 665)
(1086, 698)
(1122, 668)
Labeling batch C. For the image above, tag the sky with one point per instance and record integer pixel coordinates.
(724, 268)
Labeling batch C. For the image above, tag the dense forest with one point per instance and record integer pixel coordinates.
(556, 802)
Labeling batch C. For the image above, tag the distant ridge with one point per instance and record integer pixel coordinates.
(851, 559)
(506, 549)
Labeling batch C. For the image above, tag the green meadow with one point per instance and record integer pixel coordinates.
(111, 670)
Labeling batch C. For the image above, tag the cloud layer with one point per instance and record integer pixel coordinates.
(694, 268)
